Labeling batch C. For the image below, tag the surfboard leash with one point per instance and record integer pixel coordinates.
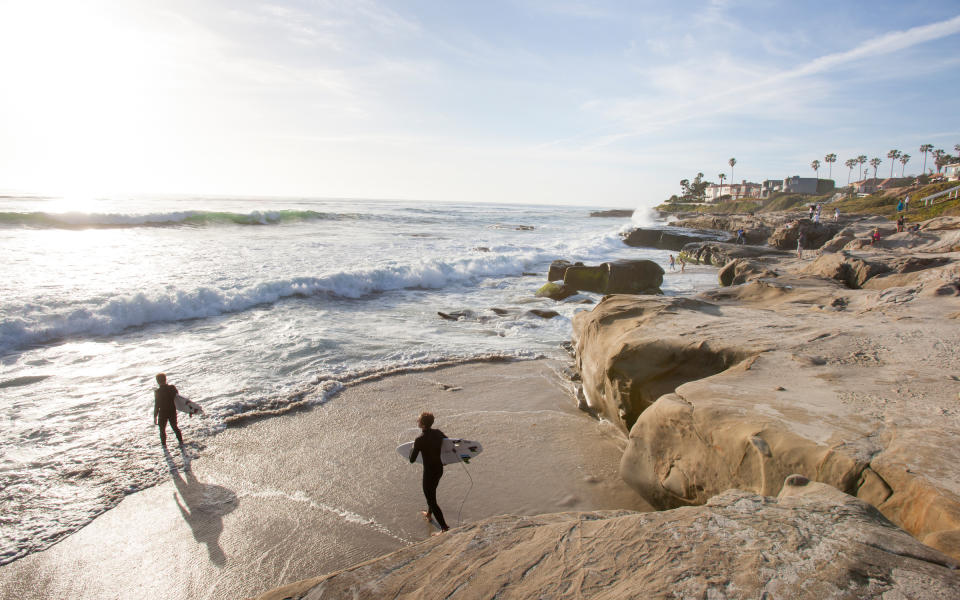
(460, 512)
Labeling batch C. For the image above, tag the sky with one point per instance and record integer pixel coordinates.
(606, 104)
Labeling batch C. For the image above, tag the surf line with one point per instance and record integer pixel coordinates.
(300, 496)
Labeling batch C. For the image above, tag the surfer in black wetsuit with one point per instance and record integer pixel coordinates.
(165, 409)
(429, 444)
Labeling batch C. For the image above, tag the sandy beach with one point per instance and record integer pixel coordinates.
(286, 498)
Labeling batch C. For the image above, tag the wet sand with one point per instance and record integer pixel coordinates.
(296, 496)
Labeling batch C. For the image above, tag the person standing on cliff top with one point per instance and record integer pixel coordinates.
(165, 409)
(429, 444)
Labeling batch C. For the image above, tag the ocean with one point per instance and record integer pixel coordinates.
(249, 306)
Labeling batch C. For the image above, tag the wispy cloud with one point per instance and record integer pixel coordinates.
(676, 102)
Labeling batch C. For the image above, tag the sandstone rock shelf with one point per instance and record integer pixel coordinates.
(796, 371)
(812, 542)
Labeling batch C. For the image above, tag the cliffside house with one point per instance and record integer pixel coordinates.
(952, 172)
(744, 189)
(796, 185)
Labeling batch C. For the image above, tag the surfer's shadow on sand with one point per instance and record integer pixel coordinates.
(202, 506)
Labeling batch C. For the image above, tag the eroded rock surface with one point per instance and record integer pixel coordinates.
(741, 386)
(720, 253)
(812, 542)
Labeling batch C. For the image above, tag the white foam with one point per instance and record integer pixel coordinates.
(36, 325)
(300, 496)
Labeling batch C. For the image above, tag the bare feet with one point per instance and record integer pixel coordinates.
(425, 515)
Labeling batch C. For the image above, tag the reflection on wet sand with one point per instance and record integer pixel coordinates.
(202, 506)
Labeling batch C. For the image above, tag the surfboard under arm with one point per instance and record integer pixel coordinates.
(186, 405)
(452, 451)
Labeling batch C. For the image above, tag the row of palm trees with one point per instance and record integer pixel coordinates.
(940, 159)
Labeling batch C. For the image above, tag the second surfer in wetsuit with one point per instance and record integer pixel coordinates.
(429, 444)
(165, 409)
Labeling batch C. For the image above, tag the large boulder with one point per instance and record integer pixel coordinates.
(619, 277)
(558, 268)
(817, 234)
(838, 241)
(812, 542)
(555, 291)
(666, 240)
(719, 254)
(741, 270)
(844, 267)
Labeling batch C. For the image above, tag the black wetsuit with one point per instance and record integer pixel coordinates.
(165, 410)
(429, 444)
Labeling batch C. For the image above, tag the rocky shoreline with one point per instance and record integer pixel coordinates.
(830, 381)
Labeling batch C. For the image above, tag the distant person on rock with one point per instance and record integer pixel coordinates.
(812, 208)
(740, 239)
(836, 215)
(906, 203)
(429, 444)
(801, 242)
(683, 264)
(900, 223)
(673, 264)
(165, 409)
(875, 237)
(900, 206)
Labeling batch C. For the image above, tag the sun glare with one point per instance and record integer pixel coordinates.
(82, 101)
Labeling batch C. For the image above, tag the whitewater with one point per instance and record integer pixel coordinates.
(250, 306)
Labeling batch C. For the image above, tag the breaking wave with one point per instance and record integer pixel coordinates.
(38, 324)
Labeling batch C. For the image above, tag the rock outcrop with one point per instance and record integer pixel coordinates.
(811, 542)
(741, 386)
(757, 227)
(555, 291)
(616, 212)
(668, 240)
(843, 267)
(816, 234)
(741, 270)
(617, 277)
(719, 254)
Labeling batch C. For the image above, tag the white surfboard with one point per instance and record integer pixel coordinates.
(186, 405)
(451, 451)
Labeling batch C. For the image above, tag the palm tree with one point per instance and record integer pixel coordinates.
(862, 159)
(925, 148)
(893, 155)
(815, 165)
(830, 159)
(904, 159)
(850, 163)
(875, 162)
(939, 155)
(722, 177)
(731, 162)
